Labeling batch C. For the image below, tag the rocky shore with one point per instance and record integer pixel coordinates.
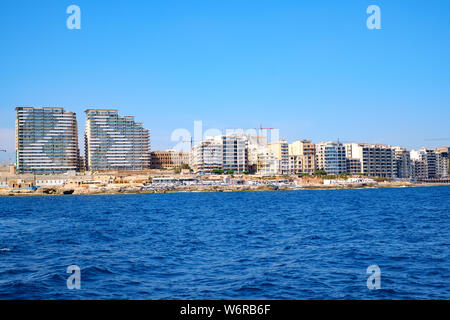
(134, 189)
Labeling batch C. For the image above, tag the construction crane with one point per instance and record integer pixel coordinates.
(261, 131)
(191, 141)
(261, 128)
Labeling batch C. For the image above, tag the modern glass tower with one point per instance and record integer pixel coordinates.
(46, 140)
(114, 142)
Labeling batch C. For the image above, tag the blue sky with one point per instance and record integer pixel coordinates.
(310, 68)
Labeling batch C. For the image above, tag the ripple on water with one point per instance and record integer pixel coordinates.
(268, 245)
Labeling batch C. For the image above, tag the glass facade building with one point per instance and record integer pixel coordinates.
(114, 142)
(46, 140)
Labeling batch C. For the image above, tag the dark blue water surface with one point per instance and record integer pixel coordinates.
(248, 245)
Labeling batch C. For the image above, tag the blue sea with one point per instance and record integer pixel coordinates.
(305, 244)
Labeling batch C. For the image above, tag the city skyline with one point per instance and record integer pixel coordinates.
(270, 138)
(47, 142)
(312, 70)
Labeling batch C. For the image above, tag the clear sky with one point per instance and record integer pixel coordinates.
(310, 68)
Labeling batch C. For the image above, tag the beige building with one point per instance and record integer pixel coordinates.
(295, 164)
(168, 159)
(280, 150)
(307, 152)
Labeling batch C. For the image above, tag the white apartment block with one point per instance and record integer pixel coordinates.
(376, 160)
(115, 142)
(225, 152)
(330, 156)
(207, 155)
(267, 163)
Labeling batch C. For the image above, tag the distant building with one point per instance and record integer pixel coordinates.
(295, 164)
(280, 150)
(207, 155)
(307, 152)
(225, 152)
(444, 153)
(256, 145)
(402, 163)
(353, 166)
(429, 164)
(168, 159)
(267, 163)
(235, 152)
(115, 142)
(331, 157)
(376, 160)
(46, 140)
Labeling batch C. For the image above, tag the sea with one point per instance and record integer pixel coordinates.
(380, 243)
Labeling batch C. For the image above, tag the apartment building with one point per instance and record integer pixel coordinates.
(376, 160)
(353, 165)
(295, 164)
(46, 140)
(114, 142)
(267, 163)
(330, 157)
(402, 163)
(307, 152)
(224, 152)
(261, 159)
(207, 155)
(280, 150)
(429, 164)
(235, 152)
(444, 153)
(168, 159)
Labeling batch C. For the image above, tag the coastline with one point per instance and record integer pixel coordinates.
(215, 189)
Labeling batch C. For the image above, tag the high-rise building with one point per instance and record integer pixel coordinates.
(46, 140)
(307, 151)
(115, 142)
(330, 157)
(376, 160)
